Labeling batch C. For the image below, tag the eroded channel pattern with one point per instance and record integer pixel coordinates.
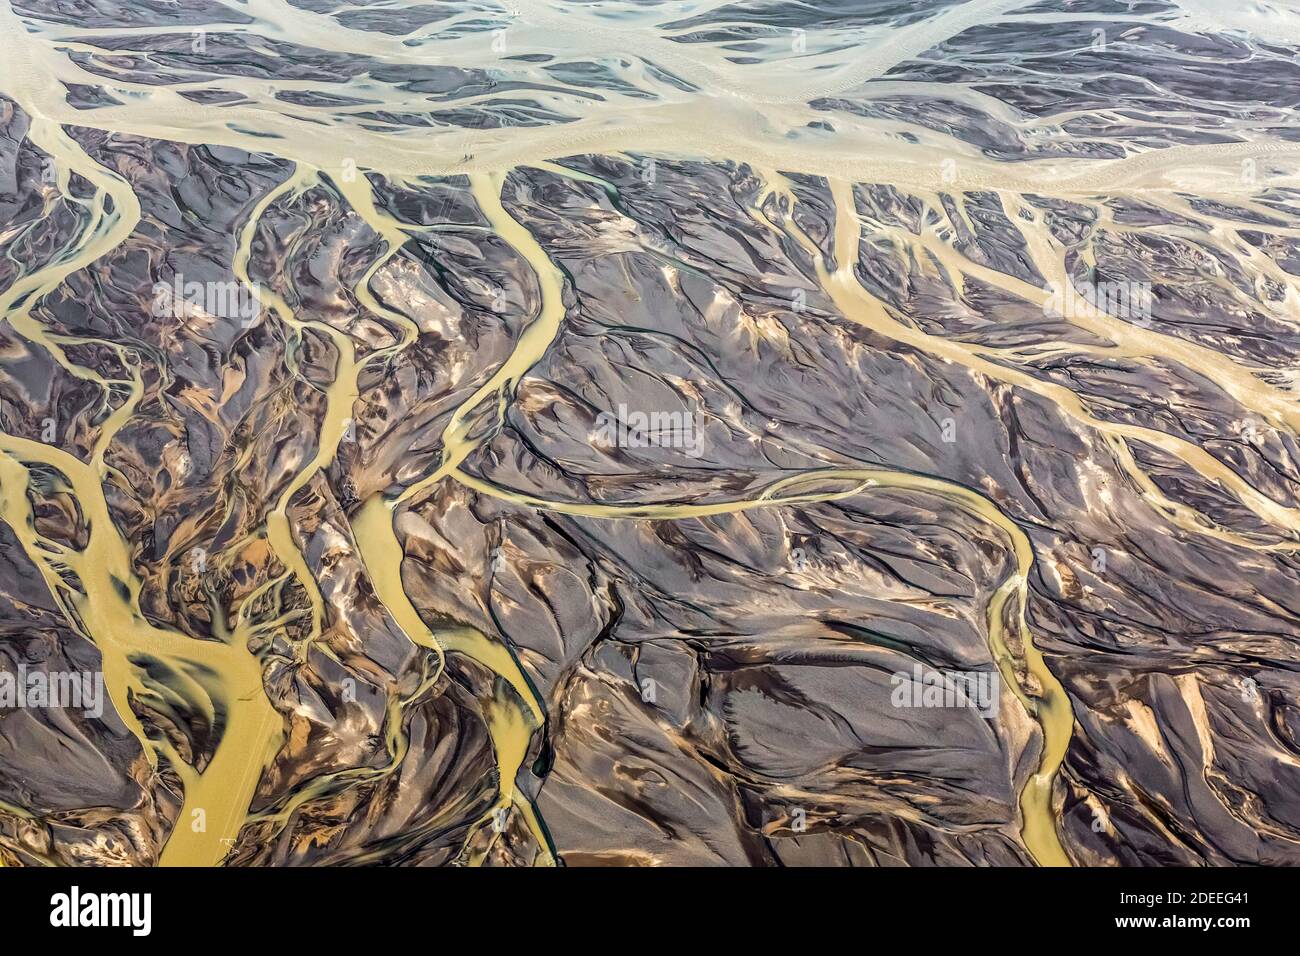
(649, 433)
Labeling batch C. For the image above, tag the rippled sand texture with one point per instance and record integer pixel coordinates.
(368, 584)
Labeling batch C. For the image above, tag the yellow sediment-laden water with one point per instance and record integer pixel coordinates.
(516, 714)
(154, 671)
